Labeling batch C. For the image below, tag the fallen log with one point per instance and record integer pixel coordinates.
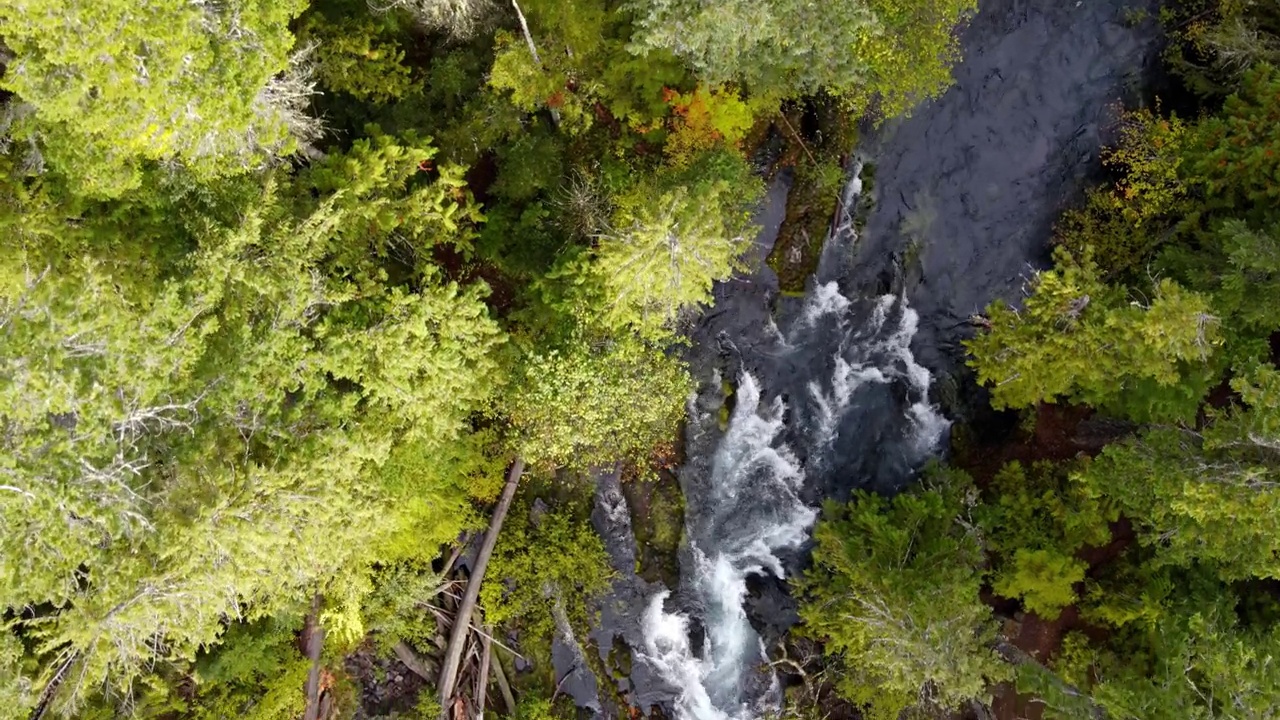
(421, 666)
(314, 642)
(482, 677)
(458, 635)
(503, 686)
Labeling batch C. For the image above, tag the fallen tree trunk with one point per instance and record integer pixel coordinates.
(418, 665)
(505, 687)
(1017, 656)
(314, 642)
(458, 635)
(482, 676)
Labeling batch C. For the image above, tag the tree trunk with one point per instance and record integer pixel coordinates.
(533, 50)
(51, 688)
(503, 686)
(458, 636)
(314, 643)
(418, 665)
(482, 676)
(1017, 656)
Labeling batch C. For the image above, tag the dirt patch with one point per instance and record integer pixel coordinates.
(1054, 433)
(459, 268)
(383, 683)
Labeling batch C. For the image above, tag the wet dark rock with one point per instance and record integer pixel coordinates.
(975, 179)
(770, 608)
(573, 674)
(617, 634)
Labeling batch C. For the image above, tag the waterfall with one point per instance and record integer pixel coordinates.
(748, 509)
(749, 466)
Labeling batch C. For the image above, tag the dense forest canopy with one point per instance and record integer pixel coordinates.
(298, 298)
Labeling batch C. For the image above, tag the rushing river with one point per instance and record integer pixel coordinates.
(747, 506)
(832, 391)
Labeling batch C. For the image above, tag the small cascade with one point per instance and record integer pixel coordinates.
(819, 403)
(755, 511)
(750, 509)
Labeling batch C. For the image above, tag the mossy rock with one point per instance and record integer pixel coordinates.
(657, 519)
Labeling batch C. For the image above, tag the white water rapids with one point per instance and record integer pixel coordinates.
(751, 507)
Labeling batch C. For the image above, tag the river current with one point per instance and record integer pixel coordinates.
(839, 390)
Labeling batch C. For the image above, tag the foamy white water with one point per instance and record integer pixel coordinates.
(749, 460)
(746, 508)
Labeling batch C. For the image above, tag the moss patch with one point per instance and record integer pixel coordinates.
(818, 134)
(657, 518)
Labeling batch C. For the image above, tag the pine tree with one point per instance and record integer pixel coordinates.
(1205, 497)
(102, 85)
(894, 53)
(1079, 339)
(894, 593)
(223, 447)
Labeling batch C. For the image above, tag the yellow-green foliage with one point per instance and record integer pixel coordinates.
(665, 250)
(397, 608)
(257, 673)
(1119, 246)
(355, 56)
(17, 692)
(1078, 339)
(1149, 155)
(705, 119)
(1208, 497)
(537, 87)
(593, 402)
(671, 236)
(107, 84)
(894, 592)
(236, 423)
(1199, 661)
(886, 53)
(1043, 579)
(548, 562)
(586, 67)
(1122, 225)
(1033, 525)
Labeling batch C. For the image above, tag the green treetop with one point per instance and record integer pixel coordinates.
(1199, 661)
(594, 401)
(895, 52)
(665, 248)
(1209, 497)
(1077, 338)
(102, 85)
(222, 448)
(1033, 525)
(894, 591)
